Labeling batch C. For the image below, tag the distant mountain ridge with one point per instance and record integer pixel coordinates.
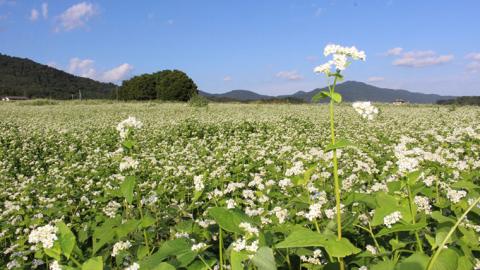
(350, 90)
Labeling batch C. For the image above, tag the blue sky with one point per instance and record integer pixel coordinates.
(268, 46)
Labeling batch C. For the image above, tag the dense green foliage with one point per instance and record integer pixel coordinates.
(174, 192)
(171, 85)
(472, 100)
(24, 77)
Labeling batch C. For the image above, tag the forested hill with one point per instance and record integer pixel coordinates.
(24, 77)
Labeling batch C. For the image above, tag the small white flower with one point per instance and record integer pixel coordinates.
(371, 249)
(392, 219)
(45, 235)
(55, 266)
(423, 204)
(130, 123)
(365, 109)
(456, 195)
(247, 227)
(119, 246)
(199, 247)
(134, 266)
(128, 163)
(198, 182)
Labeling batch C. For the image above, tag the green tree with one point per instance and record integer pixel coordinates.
(165, 85)
(174, 85)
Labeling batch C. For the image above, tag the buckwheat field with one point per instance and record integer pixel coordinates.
(232, 186)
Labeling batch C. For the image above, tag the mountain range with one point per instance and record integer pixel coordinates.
(24, 77)
(350, 91)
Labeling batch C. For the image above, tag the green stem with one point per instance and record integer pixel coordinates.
(410, 202)
(335, 170)
(204, 262)
(452, 230)
(220, 247)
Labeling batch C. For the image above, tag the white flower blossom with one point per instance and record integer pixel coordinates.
(120, 246)
(365, 109)
(46, 235)
(391, 219)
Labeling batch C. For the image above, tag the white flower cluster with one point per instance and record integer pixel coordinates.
(55, 266)
(46, 235)
(423, 204)
(371, 249)
(340, 58)
(198, 182)
(5, 99)
(119, 246)
(130, 123)
(111, 209)
(241, 244)
(134, 266)
(365, 109)
(198, 247)
(128, 163)
(392, 219)
(247, 227)
(456, 195)
(316, 258)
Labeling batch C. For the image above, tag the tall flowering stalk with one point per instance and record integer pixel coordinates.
(333, 69)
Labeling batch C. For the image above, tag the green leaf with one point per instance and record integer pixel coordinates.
(464, 264)
(147, 221)
(303, 238)
(163, 266)
(227, 219)
(340, 248)
(93, 264)
(402, 228)
(307, 238)
(264, 259)
(177, 247)
(199, 265)
(341, 143)
(127, 187)
(441, 218)
(66, 239)
(236, 259)
(336, 97)
(416, 261)
(104, 234)
(447, 260)
(127, 227)
(55, 251)
(320, 95)
(385, 265)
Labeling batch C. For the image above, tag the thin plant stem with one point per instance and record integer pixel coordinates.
(335, 170)
(410, 202)
(452, 230)
(220, 247)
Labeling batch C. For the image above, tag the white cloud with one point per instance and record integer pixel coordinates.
(76, 16)
(474, 65)
(227, 78)
(86, 68)
(394, 51)
(52, 64)
(289, 75)
(117, 73)
(45, 10)
(375, 79)
(418, 59)
(34, 14)
(83, 68)
(473, 56)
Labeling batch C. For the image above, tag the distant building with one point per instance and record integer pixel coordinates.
(8, 98)
(399, 101)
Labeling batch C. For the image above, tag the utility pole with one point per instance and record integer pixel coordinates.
(80, 94)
